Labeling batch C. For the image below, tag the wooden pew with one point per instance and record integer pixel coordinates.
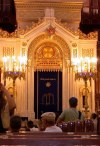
(49, 139)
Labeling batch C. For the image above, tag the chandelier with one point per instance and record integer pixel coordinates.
(13, 68)
(86, 69)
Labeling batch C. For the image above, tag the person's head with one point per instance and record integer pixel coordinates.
(93, 116)
(15, 123)
(73, 101)
(30, 124)
(48, 118)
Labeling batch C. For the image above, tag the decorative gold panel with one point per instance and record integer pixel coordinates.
(8, 51)
(48, 56)
(48, 53)
(88, 52)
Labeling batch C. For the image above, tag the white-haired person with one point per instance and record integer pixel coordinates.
(48, 120)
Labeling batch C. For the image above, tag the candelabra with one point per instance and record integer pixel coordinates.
(85, 68)
(14, 68)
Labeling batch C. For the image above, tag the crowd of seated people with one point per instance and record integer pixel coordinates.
(48, 124)
(70, 120)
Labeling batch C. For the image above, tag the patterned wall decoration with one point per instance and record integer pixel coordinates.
(8, 51)
(88, 52)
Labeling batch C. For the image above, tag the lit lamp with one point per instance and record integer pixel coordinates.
(14, 68)
(85, 68)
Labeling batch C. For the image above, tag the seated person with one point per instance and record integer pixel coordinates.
(15, 123)
(72, 113)
(48, 120)
(93, 116)
(40, 125)
(94, 119)
(31, 126)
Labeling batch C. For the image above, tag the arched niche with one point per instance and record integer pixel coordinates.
(42, 42)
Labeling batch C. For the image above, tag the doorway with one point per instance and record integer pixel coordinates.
(47, 92)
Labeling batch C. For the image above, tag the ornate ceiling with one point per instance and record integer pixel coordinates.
(31, 11)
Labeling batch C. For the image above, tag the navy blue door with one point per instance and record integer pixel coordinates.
(48, 92)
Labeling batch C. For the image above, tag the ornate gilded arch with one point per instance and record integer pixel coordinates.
(47, 53)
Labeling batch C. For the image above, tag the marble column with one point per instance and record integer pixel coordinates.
(30, 94)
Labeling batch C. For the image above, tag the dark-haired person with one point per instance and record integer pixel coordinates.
(7, 105)
(94, 119)
(71, 114)
(31, 126)
(15, 123)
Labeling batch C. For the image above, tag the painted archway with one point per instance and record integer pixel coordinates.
(48, 55)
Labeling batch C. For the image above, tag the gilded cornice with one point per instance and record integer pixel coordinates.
(65, 25)
(28, 12)
(33, 4)
(5, 34)
(90, 36)
(24, 31)
(18, 32)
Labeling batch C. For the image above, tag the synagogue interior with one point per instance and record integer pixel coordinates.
(49, 52)
(50, 72)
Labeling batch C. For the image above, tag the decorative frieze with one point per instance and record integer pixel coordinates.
(8, 51)
(88, 52)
